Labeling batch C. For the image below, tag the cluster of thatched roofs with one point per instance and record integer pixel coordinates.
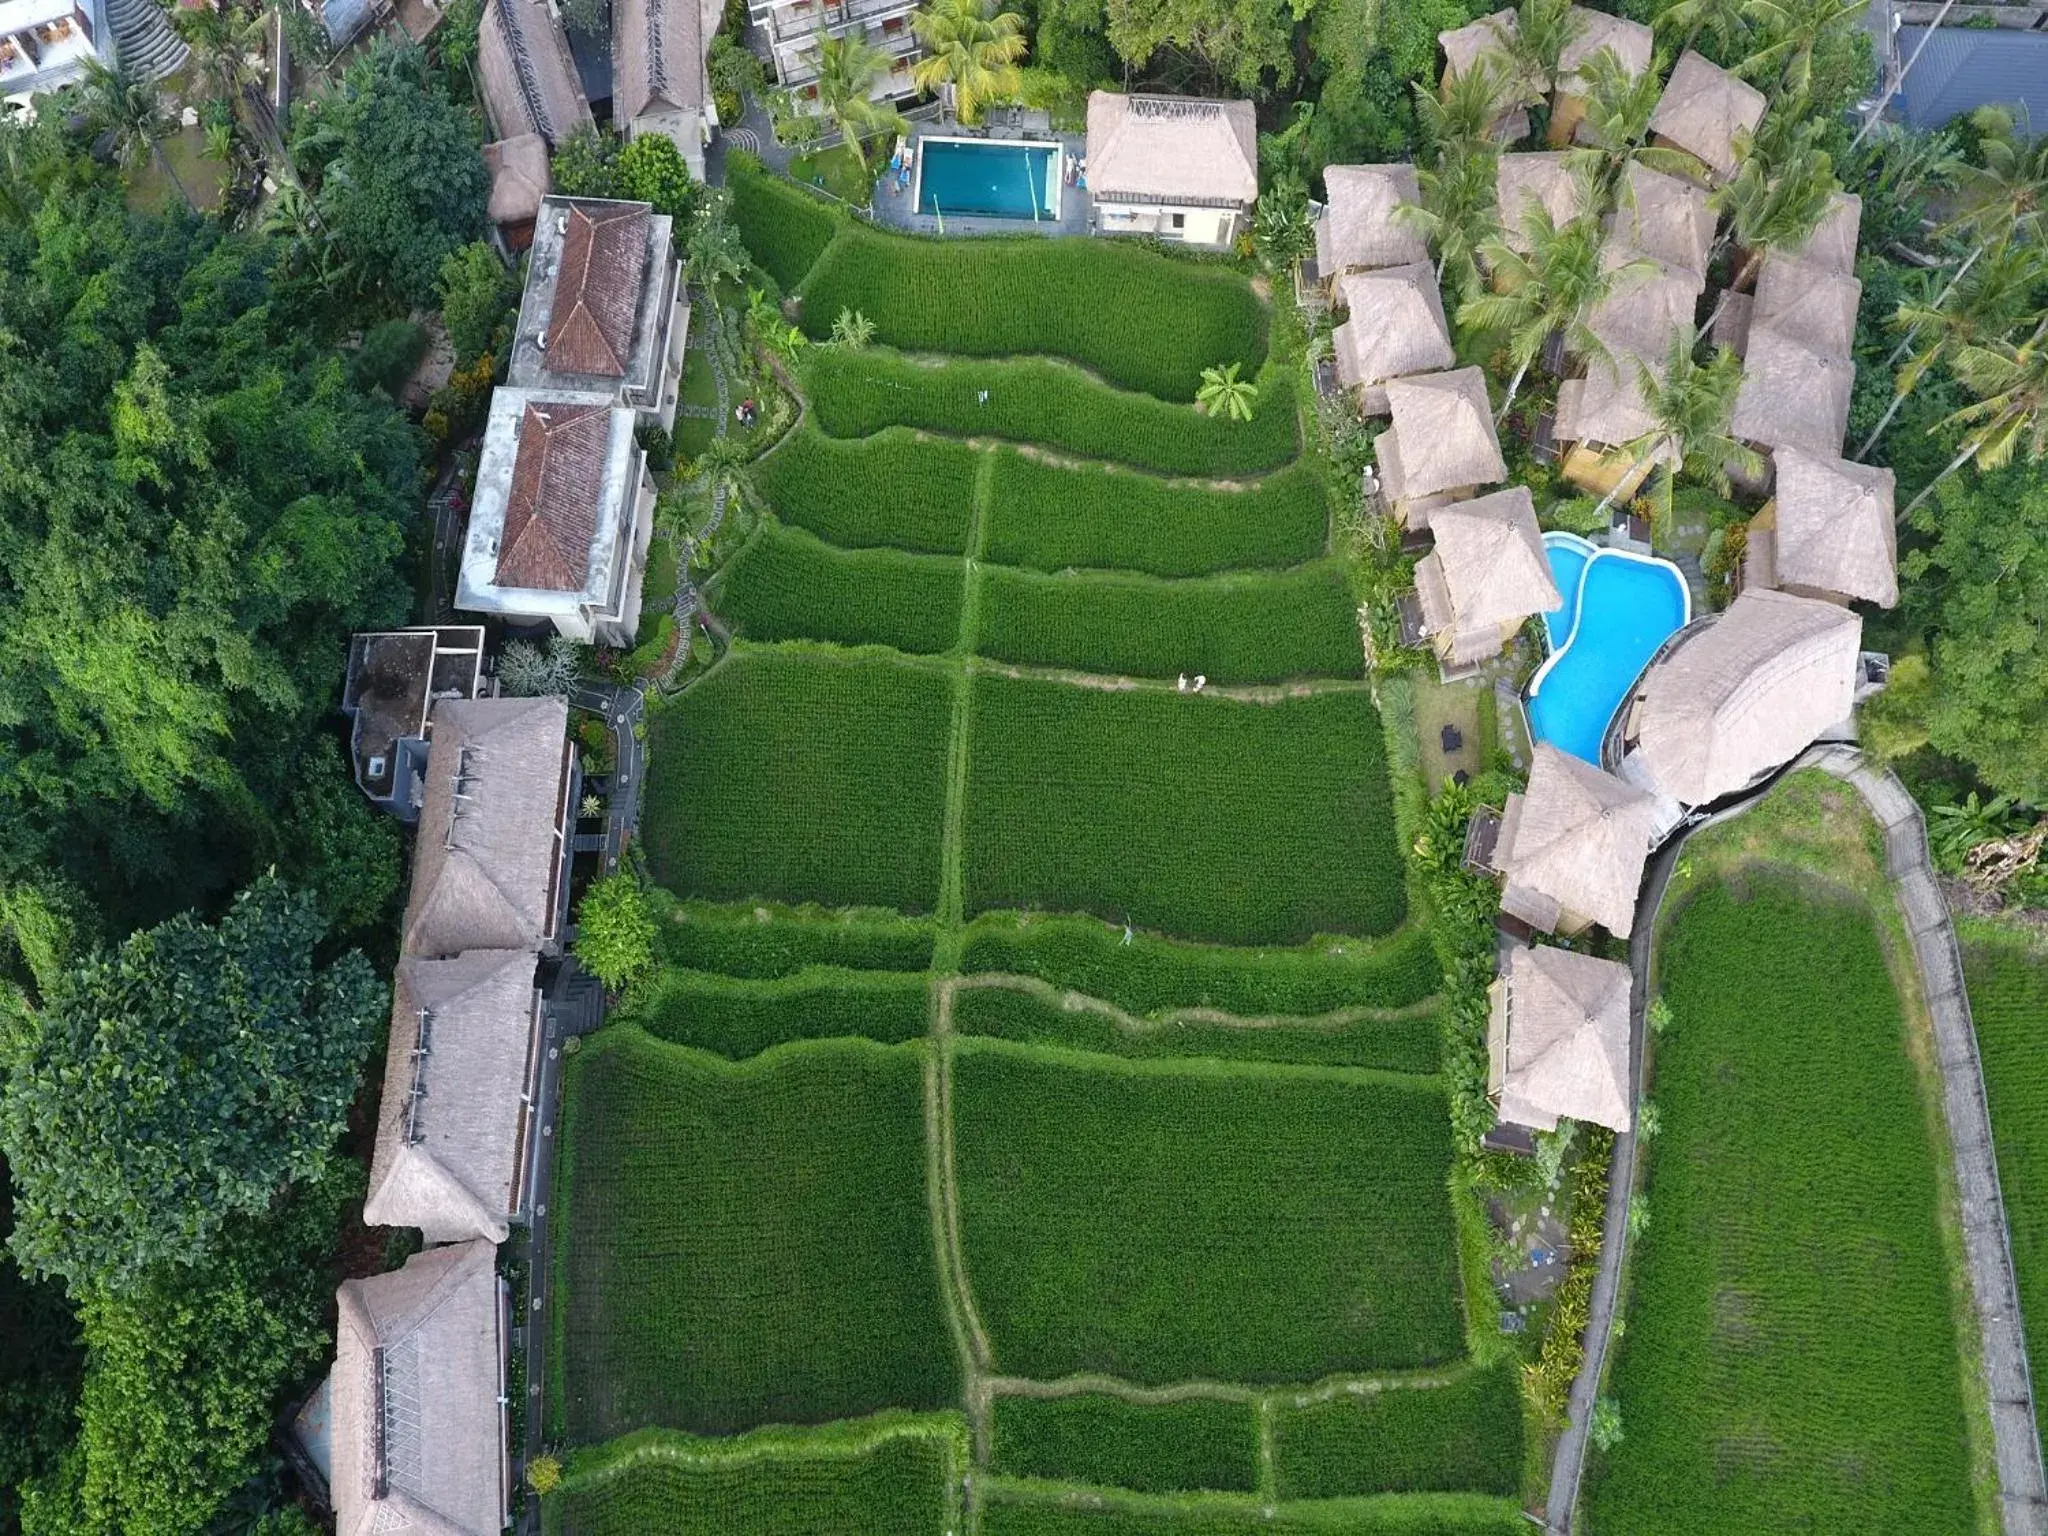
(416, 1436)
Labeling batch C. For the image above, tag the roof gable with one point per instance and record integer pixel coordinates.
(551, 508)
(597, 290)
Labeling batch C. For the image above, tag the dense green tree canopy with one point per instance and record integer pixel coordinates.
(186, 1076)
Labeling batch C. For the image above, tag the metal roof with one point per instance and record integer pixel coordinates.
(1965, 68)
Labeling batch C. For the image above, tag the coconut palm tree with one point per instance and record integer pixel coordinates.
(1457, 212)
(222, 35)
(1617, 124)
(1989, 306)
(127, 105)
(1550, 288)
(2009, 414)
(1792, 28)
(1775, 199)
(1722, 21)
(972, 47)
(1543, 30)
(1223, 393)
(1690, 408)
(849, 69)
(1464, 113)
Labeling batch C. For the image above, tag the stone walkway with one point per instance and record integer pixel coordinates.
(2023, 1491)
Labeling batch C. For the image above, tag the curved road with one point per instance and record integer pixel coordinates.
(2023, 1491)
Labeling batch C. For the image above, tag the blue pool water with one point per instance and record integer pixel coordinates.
(1618, 608)
(1003, 181)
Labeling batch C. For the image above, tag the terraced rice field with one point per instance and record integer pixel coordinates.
(1016, 1013)
(1791, 1341)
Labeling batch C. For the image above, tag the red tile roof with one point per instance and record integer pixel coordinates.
(597, 291)
(551, 514)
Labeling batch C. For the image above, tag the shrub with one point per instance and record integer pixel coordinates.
(1264, 627)
(544, 1475)
(1036, 400)
(1142, 320)
(788, 584)
(390, 351)
(1051, 517)
(889, 489)
(746, 1242)
(651, 170)
(784, 228)
(586, 164)
(614, 933)
(476, 297)
(1188, 814)
(527, 671)
(1166, 1221)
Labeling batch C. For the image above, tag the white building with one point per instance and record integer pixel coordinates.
(563, 514)
(791, 29)
(660, 84)
(1177, 167)
(44, 43)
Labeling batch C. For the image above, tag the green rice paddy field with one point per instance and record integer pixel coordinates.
(1790, 1360)
(1014, 1013)
(2007, 975)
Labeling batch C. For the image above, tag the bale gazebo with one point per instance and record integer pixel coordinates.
(1557, 1040)
(1486, 577)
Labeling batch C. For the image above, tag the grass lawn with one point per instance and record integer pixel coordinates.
(2008, 982)
(838, 172)
(802, 775)
(1166, 1221)
(1186, 814)
(693, 434)
(745, 1243)
(1791, 1355)
(894, 1474)
(182, 171)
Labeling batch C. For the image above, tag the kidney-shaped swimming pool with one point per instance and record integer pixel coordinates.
(1618, 609)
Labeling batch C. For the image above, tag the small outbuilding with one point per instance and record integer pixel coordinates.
(1486, 577)
(520, 182)
(1572, 847)
(1557, 1040)
(1791, 395)
(1737, 696)
(1708, 113)
(1442, 446)
(1395, 328)
(1593, 32)
(1360, 227)
(1828, 532)
(1177, 167)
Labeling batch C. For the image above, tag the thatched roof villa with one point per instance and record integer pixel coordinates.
(1708, 113)
(1396, 327)
(1544, 178)
(1358, 228)
(1828, 532)
(1178, 167)
(1666, 218)
(1792, 396)
(1441, 447)
(1631, 42)
(417, 1393)
(1490, 38)
(1572, 847)
(1557, 1040)
(1740, 694)
(1485, 578)
(451, 1148)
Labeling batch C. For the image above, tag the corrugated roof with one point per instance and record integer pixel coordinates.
(1964, 69)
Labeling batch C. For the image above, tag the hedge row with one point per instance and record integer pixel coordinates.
(1142, 320)
(1051, 517)
(1038, 400)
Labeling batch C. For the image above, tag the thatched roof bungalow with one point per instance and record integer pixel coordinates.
(1544, 179)
(1179, 167)
(1666, 218)
(1832, 244)
(1572, 847)
(1557, 1040)
(1807, 303)
(1828, 532)
(1487, 575)
(1442, 446)
(1739, 695)
(451, 1150)
(1358, 228)
(1631, 42)
(418, 1422)
(1791, 395)
(488, 868)
(1396, 327)
(1491, 39)
(1708, 113)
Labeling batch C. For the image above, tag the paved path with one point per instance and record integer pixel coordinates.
(620, 708)
(2023, 1492)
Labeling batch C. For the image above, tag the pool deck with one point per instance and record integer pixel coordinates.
(893, 207)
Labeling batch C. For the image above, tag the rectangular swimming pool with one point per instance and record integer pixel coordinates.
(985, 179)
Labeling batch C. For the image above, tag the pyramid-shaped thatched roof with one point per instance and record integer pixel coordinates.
(1444, 424)
(1490, 35)
(1833, 242)
(1558, 1041)
(1806, 302)
(419, 1374)
(1705, 111)
(1396, 325)
(1666, 218)
(1746, 693)
(1358, 227)
(486, 868)
(1574, 844)
(1629, 41)
(451, 1126)
(1834, 527)
(1488, 569)
(519, 177)
(1791, 395)
(1545, 179)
